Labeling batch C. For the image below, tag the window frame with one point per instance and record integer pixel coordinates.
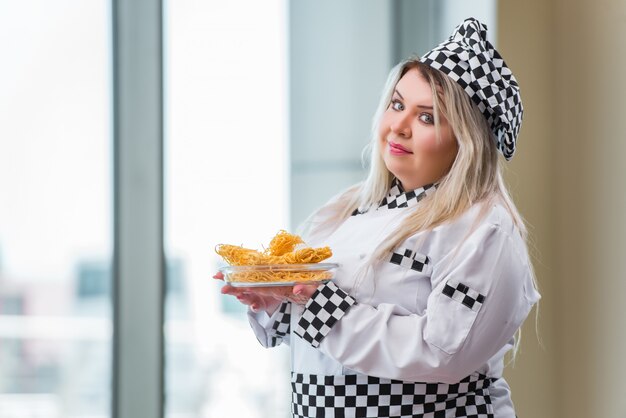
(138, 255)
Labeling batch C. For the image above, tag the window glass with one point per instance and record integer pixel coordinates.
(55, 209)
(225, 182)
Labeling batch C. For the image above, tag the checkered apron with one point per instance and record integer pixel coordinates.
(360, 396)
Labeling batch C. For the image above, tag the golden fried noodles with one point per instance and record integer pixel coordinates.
(282, 250)
(283, 243)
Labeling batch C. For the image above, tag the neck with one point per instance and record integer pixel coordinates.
(413, 184)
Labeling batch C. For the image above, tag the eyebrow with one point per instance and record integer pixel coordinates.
(420, 106)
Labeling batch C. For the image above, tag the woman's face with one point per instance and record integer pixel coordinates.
(409, 144)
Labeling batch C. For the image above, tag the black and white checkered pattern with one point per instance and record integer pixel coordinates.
(366, 396)
(472, 61)
(409, 259)
(326, 306)
(281, 325)
(398, 198)
(464, 294)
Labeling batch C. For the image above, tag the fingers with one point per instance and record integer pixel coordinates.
(258, 298)
(255, 302)
(219, 275)
(242, 294)
(304, 290)
(231, 290)
(302, 293)
(247, 299)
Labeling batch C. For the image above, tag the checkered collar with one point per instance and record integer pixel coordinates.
(398, 198)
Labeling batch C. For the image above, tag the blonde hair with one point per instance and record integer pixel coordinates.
(474, 177)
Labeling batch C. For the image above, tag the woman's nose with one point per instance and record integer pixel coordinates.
(401, 125)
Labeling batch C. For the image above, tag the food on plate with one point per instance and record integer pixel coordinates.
(287, 259)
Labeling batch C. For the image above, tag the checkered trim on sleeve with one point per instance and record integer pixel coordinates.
(327, 306)
(281, 325)
(465, 295)
(410, 259)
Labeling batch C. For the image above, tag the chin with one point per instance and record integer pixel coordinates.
(396, 169)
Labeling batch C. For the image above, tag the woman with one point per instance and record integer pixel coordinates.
(435, 278)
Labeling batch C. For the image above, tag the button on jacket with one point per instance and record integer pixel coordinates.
(422, 334)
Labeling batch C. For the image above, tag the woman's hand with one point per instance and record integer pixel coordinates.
(268, 298)
(258, 299)
(303, 292)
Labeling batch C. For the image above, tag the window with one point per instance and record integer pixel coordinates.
(55, 209)
(238, 166)
(226, 170)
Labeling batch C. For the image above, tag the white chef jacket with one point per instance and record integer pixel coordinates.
(441, 311)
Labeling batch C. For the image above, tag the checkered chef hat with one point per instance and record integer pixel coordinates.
(470, 60)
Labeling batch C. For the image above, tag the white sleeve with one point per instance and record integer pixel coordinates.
(474, 309)
(273, 330)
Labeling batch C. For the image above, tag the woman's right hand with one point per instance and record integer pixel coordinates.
(258, 299)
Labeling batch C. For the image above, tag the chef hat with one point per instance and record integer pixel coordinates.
(470, 60)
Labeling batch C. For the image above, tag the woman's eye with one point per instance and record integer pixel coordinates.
(427, 118)
(396, 105)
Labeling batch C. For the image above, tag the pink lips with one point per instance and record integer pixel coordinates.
(397, 149)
